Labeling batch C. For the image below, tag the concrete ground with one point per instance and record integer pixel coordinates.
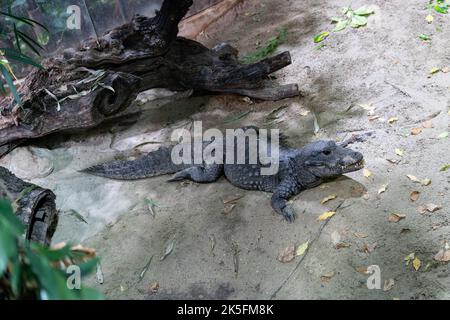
(356, 83)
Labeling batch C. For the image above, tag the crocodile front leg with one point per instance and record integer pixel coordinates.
(286, 189)
(202, 174)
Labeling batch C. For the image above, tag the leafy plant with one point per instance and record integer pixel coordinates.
(22, 42)
(321, 36)
(353, 18)
(269, 48)
(440, 6)
(31, 271)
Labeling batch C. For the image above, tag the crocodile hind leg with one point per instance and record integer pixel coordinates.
(202, 174)
(287, 189)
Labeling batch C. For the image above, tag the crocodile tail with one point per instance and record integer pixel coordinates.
(153, 164)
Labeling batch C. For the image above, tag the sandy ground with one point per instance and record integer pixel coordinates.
(380, 71)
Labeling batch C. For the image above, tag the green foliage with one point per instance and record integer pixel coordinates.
(269, 48)
(22, 41)
(353, 18)
(321, 36)
(440, 6)
(31, 271)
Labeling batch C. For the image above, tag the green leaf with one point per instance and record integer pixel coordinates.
(8, 248)
(52, 281)
(335, 20)
(52, 255)
(346, 10)
(88, 267)
(16, 55)
(363, 11)
(9, 220)
(341, 25)
(16, 37)
(443, 135)
(424, 37)
(11, 85)
(16, 276)
(269, 48)
(30, 42)
(321, 36)
(90, 294)
(25, 20)
(320, 46)
(2, 88)
(441, 9)
(358, 21)
(445, 167)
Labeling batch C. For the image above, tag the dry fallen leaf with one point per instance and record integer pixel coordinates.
(426, 182)
(232, 198)
(369, 248)
(360, 235)
(168, 250)
(399, 152)
(405, 230)
(87, 251)
(416, 131)
(230, 202)
(436, 226)
(444, 254)
(227, 208)
(445, 69)
(412, 178)
(392, 120)
(327, 276)
(434, 70)
(329, 198)
(430, 207)
(153, 288)
(304, 112)
(396, 217)
(382, 189)
(301, 249)
(342, 245)
(409, 257)
(414, 195)
(362, 270)
(429, 18)
(416, 263)
(427, 124)
(326, 215)
(393, 161)
(367, 173)
(287, 255)
(388, 284)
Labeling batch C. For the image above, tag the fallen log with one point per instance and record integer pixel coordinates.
(86, 86)
(35, 206)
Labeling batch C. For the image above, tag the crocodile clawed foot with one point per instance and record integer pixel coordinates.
(289, 214)
(179, 176)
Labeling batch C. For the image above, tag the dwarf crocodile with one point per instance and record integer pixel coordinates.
(298, 169)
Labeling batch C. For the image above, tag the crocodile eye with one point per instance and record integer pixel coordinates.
(326, 152)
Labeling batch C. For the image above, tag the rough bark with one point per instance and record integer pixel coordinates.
(99, 80)
(35, 206)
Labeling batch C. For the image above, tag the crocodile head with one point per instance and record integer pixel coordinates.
(326, 159)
